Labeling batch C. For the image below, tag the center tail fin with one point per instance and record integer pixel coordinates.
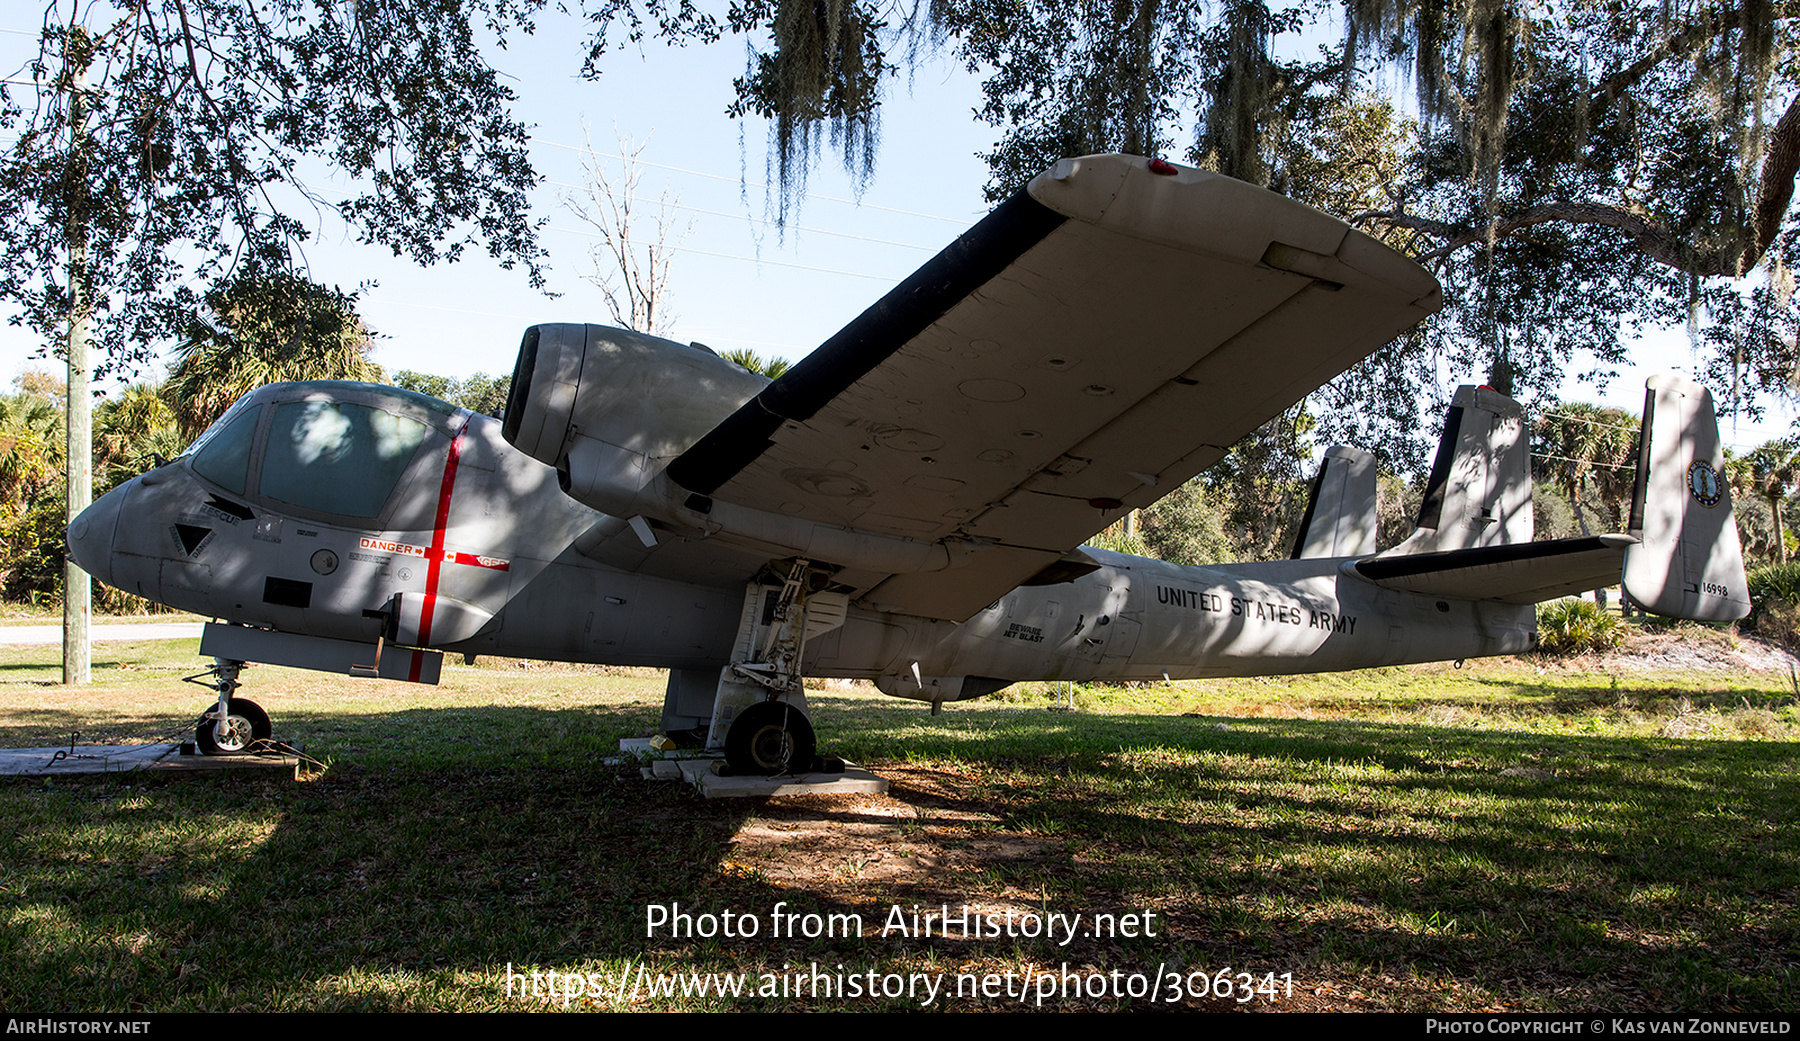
(1479, 493)
(1340, 518)
(1689, 563)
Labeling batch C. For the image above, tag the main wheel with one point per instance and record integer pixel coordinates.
(770, 737)
(246, 724)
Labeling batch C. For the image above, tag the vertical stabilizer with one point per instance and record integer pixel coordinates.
(1688, 563)
(1480, 488)
(1340, 516)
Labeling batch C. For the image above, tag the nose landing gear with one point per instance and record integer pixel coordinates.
(245, 724)
(233, 726)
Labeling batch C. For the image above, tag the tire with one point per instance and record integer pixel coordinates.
(238, 734)
(769, 738)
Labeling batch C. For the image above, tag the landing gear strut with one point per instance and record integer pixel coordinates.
(759, 707)
(233, 726)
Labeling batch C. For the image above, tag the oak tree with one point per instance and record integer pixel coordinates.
(170, 146)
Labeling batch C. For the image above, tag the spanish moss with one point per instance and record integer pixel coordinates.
(824, 73)
(1242, 114)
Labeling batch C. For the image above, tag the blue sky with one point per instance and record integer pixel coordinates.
(738, 281)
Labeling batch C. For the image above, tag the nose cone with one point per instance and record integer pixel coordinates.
(90, 536)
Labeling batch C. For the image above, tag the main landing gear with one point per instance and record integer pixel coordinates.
(757, 705)
(233, 726)
(771, 737)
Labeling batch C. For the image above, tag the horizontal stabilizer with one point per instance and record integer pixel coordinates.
(1522, 573)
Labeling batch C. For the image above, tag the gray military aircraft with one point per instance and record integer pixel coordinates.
(908, 503)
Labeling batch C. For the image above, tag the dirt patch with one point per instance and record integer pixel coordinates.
(938, 838)
(1684, 649)
(924, 841)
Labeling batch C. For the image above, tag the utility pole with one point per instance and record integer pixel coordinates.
(79, 442)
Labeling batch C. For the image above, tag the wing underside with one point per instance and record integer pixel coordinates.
(1089, 347)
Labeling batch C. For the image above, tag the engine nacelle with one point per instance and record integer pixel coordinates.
(609, 408)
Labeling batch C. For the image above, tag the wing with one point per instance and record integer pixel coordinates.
(1520, 573)
(1087, 348)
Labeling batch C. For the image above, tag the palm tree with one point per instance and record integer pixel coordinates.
(1772, 469)
(31, 474)
(1578, 445)
(264, 329)
(132, 428)
(749, 359)
(31, 449)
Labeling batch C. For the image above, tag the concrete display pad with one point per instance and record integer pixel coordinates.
(700, 769)
(853, 781)
(106, 759)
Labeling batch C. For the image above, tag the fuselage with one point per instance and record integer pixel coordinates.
(316, 509)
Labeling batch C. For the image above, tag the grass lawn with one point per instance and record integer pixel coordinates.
(1512, 836)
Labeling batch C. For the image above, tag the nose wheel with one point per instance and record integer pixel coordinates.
(769, 738)
(245, 723)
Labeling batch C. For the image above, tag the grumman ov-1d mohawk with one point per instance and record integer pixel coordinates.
(908, 503)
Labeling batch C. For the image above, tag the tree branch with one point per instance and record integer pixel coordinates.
(1681, 43)
(1780, 166)
(1776, 187)
(1655, 241)
(1678, 44)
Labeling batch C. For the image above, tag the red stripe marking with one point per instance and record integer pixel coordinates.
(435, 555)
(474, 560)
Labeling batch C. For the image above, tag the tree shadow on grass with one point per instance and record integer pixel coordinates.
(446, 844)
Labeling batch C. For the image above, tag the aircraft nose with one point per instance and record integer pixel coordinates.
(90, 535)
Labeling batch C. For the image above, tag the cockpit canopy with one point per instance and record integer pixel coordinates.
(333, 449)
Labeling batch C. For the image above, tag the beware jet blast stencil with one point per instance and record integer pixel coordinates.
(408, 550)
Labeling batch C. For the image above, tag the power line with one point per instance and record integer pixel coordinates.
(783, 263)
(1630, 430)
(1590, 422)
(440, 307)
(754, 184)
(753, 220)
(1585, 462)
(734, 256)
(708, 339)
